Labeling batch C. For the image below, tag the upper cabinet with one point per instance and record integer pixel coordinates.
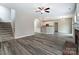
(7, 14)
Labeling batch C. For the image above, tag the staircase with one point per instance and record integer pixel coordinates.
(5, 31)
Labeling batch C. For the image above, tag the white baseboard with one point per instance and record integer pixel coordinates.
(23, 36)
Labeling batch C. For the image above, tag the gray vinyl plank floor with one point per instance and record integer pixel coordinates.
(33, 45)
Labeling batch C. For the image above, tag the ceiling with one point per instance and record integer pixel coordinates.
(59, 8)
(56, 9)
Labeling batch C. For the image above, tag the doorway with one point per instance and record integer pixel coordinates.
(37, 26)
(56, 26)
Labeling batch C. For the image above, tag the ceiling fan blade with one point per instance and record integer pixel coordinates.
(40, 8)
(47, 11)
(37, 11)
(46, 8)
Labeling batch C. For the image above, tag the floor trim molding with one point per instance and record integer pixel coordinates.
(23, 36)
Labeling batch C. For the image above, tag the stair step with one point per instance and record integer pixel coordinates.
(5, 31)
(6, 36)
(5, 28)
(6, 39)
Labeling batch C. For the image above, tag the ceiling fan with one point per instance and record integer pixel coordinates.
(43, 10)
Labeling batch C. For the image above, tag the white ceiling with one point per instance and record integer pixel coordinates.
(56, 9)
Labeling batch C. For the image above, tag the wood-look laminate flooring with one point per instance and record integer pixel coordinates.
(33, 45)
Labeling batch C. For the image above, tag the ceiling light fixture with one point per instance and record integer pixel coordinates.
(42, 10)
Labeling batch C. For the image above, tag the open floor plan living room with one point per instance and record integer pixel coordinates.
(39, 28)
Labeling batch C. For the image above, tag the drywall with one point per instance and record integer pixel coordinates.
(24, 24)
(51, 23)
(4, 14)
(65, 26)
(77, 13)
(77, 7)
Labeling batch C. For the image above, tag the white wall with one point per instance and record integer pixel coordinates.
(13, 14)
(65, 26)
(77, 7)
(24, 24)
(77, 13)
(51, 23)
(4, 14)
